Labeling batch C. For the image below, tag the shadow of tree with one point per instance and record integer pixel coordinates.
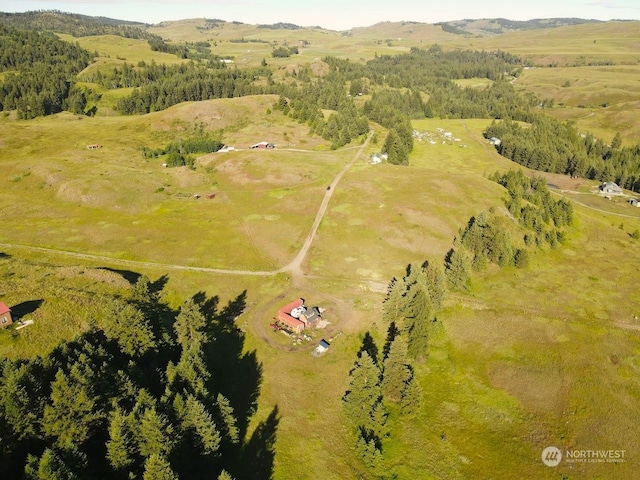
(392, 332)
(369, 346)
(4, 255)
(25, 308)
(259, 452)
(128, 275)
(158, 285)
(234, 373)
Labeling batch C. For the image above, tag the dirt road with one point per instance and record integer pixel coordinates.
(294, 267)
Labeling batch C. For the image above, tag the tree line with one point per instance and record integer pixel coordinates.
(383, 389)
(490, 237)
(550, 145)
(413, 85)
(74, 24)
(180, 153)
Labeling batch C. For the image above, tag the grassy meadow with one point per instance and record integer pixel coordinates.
(526, 358)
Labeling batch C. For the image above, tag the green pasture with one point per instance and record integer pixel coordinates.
(602, 100)
(112, 201)
(119, 49)
(528, 357)
(614, 41)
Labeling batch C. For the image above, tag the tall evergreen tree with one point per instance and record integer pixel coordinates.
(396, 372)
(393, 306)
(189, 325)
(364, 390)
(157, 467)
(411, 397)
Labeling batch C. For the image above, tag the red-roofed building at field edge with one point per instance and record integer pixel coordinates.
(297, 316)
(5, 316)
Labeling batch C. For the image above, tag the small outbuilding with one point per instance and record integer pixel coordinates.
(5, 316)
(495, 141)
(635, 202)
(323, 346)
(610, 188)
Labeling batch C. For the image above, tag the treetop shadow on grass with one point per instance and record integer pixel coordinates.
(128, 275)
(369, 346)
(4, 255)
(234, 373)
(259, 452)
(392, 332)
(25, 308)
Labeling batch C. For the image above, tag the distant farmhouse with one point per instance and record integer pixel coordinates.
(5, 316)
(263, 145)
(297, 316)
(610, 188)
(635, 202)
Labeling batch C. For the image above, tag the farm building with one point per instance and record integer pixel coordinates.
(610, 188)
(635, 202)
(297, 316)
(289, 315)
(263, 145)
(323, 346)
(5, 316)
(495, 141)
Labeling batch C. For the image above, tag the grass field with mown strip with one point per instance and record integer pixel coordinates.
(113, 201)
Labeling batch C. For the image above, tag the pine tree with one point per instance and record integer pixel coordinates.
(156, 434)
(72, 414)
(457, 270)
(411, 397)
(190, 324)
(197, 419)
(129, 326)
(392, 308)
(371, 454)
(191, 372)
(224, 475)
(434, 280)
(418, 334)
(49, 467)
(364, 390)
(378, 421)
(227, 418)
(121, 442)
(396, 372)
(157, 467)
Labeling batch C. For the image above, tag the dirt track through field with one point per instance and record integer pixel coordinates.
(294, 267)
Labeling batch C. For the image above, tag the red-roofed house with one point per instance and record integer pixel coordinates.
(5, 316)
(290, 315)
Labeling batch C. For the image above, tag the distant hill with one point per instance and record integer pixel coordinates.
(497, 26)
(83, 25)
(73, 23)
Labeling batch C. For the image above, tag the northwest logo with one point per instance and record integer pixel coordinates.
(551, 456)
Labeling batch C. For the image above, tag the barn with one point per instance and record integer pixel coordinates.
(5, 316)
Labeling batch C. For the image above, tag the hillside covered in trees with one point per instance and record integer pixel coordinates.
(42, 73)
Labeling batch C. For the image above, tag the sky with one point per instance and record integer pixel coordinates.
(333, 14)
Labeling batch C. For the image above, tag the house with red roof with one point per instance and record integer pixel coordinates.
(5, 316)
(297, 316)
(289, 315)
